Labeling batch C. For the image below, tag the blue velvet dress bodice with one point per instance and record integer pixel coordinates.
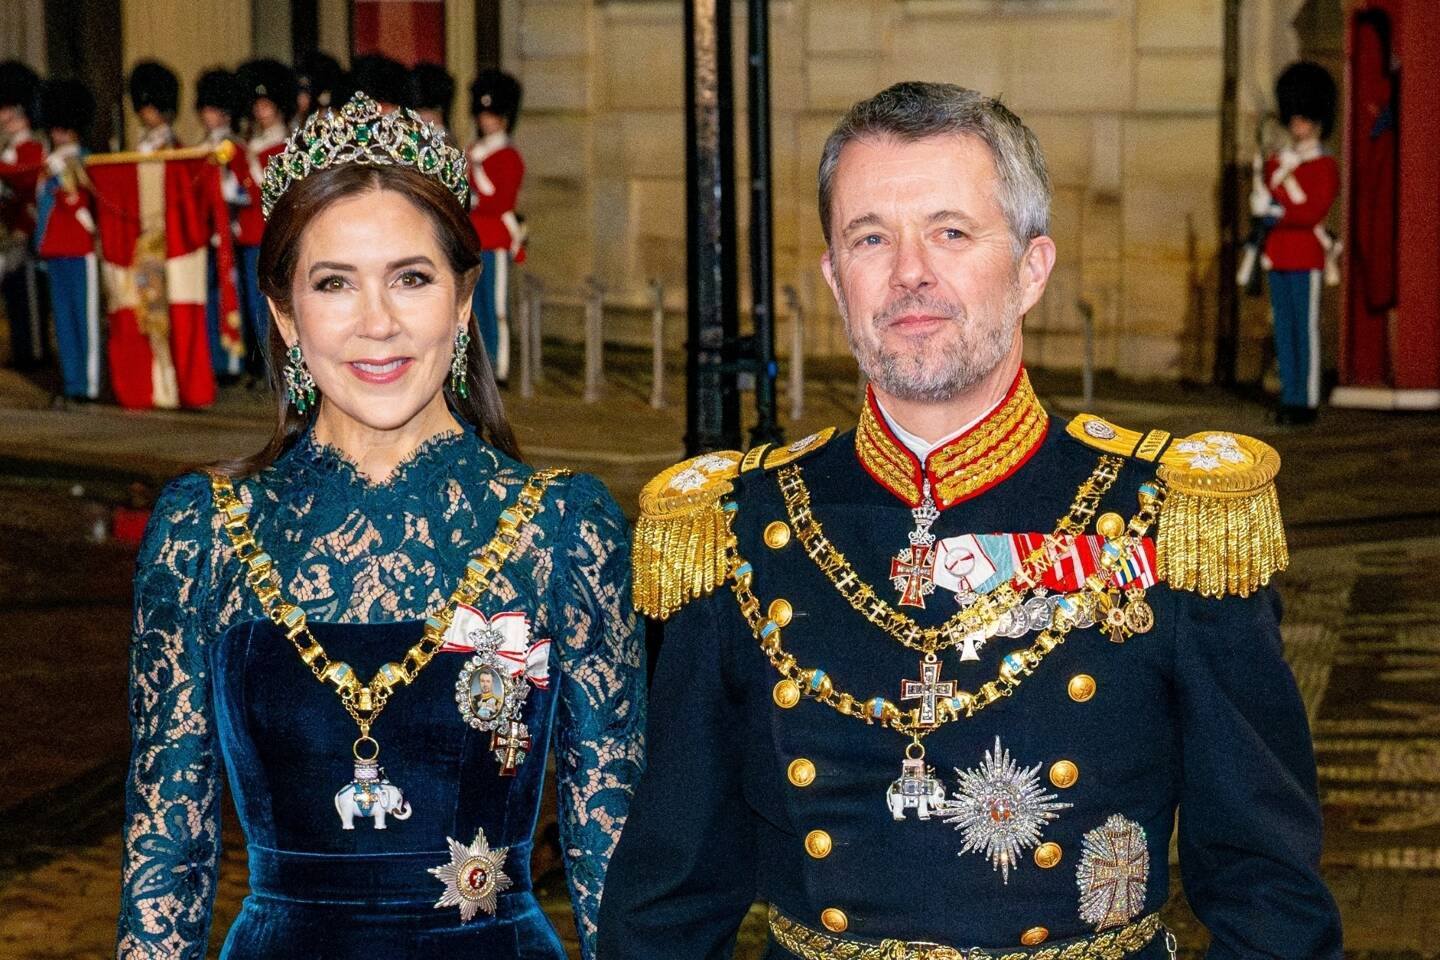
(287, 753)
(216, 686)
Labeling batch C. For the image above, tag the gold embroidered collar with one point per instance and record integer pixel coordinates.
(966, 466)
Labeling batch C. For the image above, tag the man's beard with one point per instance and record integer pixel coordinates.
(933, 372)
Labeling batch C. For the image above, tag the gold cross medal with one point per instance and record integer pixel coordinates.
(917, 788)
(492, 687)
(473, 878)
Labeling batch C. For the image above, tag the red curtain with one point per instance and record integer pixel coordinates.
(411, 31)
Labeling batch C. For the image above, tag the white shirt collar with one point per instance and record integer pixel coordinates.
(489, 144)
(269, 137)
(918, 445)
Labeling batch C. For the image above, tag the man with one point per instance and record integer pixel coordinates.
(155, 96)
(1299, 184)
(926, 686)
(217, 101)
(320, 83)
(434, 94)
(65, 238)
(269, 92)
(496, 172)
(22, 162)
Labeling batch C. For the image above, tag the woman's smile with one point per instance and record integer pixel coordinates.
(386, 370)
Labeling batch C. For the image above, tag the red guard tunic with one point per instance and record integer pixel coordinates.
(496, 172)
(250, 220)
(1304, 184)
(21, 164)
(69, 224)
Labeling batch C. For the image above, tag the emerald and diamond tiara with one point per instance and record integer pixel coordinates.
(359, 133)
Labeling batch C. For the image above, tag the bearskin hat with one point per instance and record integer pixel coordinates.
(218, 88)
(67, 105)
(434, 88)
(497, 92)
(152, 84)
(1306, 89)
(270, 79)
(18, 85)
(382, 79)
(319, 75)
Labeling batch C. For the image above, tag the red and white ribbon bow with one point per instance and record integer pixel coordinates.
(520, 656)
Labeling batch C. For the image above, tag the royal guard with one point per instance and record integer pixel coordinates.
(384, 79)
(321, 84)
(434, 94)
(217, 101)
(269, 91)
(155, 96)
(22, 161)
(1292, 195)
(65, 237)
(496, 171)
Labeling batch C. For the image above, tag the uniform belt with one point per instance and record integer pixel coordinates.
(810, 944)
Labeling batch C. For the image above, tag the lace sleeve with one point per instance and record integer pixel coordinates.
(600, 739)
(172, 800)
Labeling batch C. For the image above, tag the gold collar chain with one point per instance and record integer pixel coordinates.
(1093, 598)
(980, 614)
(365, 701)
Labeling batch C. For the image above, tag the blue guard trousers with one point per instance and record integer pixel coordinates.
(1295, 311)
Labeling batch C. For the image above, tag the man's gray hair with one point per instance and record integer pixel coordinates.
(916, 111)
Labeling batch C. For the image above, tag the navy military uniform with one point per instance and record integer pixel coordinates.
(1039, 817)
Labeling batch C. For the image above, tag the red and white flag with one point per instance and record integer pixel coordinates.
(155, 220)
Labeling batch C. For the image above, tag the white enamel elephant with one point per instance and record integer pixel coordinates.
(370, 798)
(925, 795)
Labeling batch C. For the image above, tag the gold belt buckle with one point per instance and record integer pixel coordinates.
(924, 950)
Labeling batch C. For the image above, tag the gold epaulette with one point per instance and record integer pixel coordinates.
(684, 526)
(1220, 528)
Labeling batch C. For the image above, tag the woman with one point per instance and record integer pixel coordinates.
(387, 542)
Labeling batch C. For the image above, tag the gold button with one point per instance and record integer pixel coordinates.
(801, 772)
(781, 611)
(818, 844)
(777, 534)
(834, 920)
(1047, 855)
(1034, 937)
(1063, 774)
(786, 694)
(1110, 525)
(1082, 687)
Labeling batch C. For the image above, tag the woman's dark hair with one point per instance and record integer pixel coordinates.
(279, 255)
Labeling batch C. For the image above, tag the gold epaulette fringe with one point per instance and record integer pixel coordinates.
(680, 538)
(1220, 527)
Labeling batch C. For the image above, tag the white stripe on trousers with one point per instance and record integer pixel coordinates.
(92, 327)
(502, 322)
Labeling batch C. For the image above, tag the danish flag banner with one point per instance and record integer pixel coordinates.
(156, 219)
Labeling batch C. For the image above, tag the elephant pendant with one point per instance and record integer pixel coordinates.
(916, 789)
(370, 795)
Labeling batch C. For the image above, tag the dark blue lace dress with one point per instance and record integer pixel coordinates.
(214, 684)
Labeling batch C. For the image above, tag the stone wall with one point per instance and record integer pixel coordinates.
(1124, 95)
